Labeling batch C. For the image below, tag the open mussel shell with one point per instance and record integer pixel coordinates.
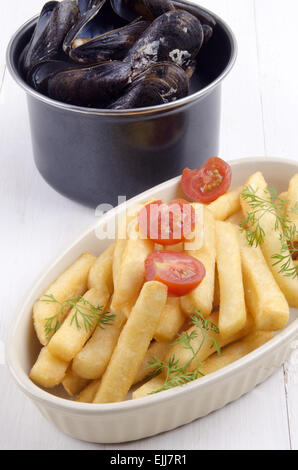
(95, 86)
(111, 45)
(175, 36)
(149, 9)
(161, 83)
(100, 18)
(55, 21)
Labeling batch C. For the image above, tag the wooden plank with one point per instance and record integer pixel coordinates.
(277, 40)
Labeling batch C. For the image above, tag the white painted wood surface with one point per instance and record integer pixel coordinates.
(260, 109)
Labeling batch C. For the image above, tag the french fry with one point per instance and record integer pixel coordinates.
(272, 244)
(226, 205)
(70, 284)
(232, 312)
(117, 259)
(72, 383)
(133, 344)
(228, 355)
(69, 339)
(178, 248)
(171, 320)
(88, 393)
(201, 298)
(92, 360)
(264, 299)
(236, 351)
(148, 387)
(236, 219)
(48, 371)
(295, 262)
(102, 270)
(155, 350)
(131, 275)
(207, 347)
(293, 203)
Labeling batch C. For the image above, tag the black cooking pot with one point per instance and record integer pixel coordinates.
(94, 155)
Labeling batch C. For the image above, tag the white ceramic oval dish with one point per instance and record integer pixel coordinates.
(136, 419)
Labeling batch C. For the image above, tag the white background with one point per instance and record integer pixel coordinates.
(260, 109)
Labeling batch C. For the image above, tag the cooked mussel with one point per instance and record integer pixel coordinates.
(150, 9)
(55, 21)
(94, 86)
(111, 45)
(175, 36)
(159, 84)
(98, 19)
(40, 73)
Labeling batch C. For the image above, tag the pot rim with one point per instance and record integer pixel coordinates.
(135, 112)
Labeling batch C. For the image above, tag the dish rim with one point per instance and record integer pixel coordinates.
(134, 112)
(38, 394)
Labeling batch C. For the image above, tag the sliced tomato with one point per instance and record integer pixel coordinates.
(180, 272)
(167, 224)
(209, 182)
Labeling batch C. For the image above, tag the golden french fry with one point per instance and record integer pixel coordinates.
(148, 387)
(155, 350)
(92, 360)
(226, 205)
(228, 355)
(171, 320)
(237, 218)
(71, 337)
(178, 248)
(232, 312)
(70, 284)
(206, 348)
(264, 299)
(201, 298)
(293, 203)
(102, 270)
(131, 275)
(133, 344)
(117, 258)
(72, 383)
(48, 371)
(272, 244)
(236, 351)
(88, 393)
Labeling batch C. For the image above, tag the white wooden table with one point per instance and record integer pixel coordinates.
(260, 109)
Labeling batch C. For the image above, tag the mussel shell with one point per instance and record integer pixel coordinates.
(111, 45)
(175, 36)
(98, 19)
(161, 83)
(149, 9)
(94, 86)
(55, 20)
(39, 74)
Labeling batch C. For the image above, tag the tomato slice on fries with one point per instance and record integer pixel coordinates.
(167, 224)
(207, 183)
(180, 272)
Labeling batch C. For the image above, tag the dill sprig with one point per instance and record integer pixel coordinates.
(176, 374)
(255, 234)
(85, 315)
